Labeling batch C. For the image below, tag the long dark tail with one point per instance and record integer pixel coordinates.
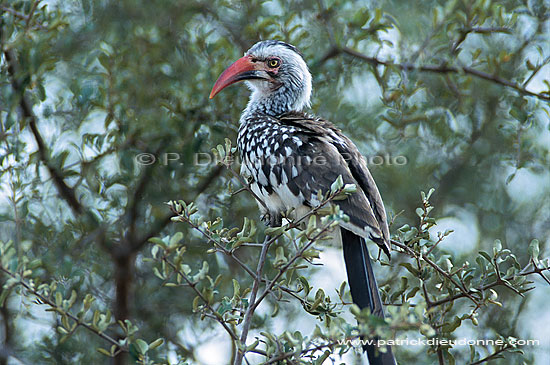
(364, 290)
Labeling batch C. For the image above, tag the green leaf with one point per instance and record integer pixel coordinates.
(227, 146)
(196, 303)
(412, 292)
(280, 258)
(321, 359)
(221, 152)
(158, 273)
(410, 268)
(486, 256)
(337, 184)
(253, 345)
(224, 307)
(157, 241)
(450, 327)
(104, 60)
(6, 291)
(430, 192)
(497, 247)
(405, 228)
(103, 351)
(342, 288)
(534, 250)
(305, 284)
(58, 299)
(435, 16)
(274, 231)
(141, 346)
(236, 288)
(427, 330)
(176, 238)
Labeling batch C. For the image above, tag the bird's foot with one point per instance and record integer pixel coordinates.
(272, 220)
(265, 218)
(275, 220)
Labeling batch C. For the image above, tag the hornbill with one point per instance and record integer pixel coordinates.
(288, 156)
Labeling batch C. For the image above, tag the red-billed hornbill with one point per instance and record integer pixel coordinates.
(288, 156)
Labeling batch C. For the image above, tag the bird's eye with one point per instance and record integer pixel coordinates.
(274, 62)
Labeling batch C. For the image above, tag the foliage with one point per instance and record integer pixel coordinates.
(104, 116)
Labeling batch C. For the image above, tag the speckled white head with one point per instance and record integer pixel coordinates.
(290, 80)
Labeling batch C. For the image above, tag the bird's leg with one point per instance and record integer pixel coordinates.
(272, 219)
(275, 220)
(266, 218)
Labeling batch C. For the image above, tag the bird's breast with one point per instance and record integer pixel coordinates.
(269, 159)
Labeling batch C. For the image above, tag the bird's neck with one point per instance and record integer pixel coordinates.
(279, 101)
(272, 103)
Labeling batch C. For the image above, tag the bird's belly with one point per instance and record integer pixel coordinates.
(272, 201)
(280, 200)
(277, 197)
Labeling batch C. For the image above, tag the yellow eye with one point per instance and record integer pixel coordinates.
(273, 63)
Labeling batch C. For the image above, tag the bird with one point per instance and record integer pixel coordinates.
(288, 156)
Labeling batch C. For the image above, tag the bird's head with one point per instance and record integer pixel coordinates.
(275, 71)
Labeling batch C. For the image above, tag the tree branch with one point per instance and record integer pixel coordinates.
(250, 310)
(499, 282)
(442, 69)
(66, 192)
(299, 254)
(536, 71)
(24, 17)
(407, 249)
(492, 356)
(193, 285)
(45, 300)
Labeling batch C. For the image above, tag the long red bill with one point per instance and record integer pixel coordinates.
(232, 74)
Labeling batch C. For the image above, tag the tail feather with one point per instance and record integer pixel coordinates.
(363, 287)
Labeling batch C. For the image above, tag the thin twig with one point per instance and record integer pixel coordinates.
(489, 30)
(299, 254)
(46, 300)
(66, 192)
(441, 69)
(246, 186)
(483, 288)
(286, 355)
(164, 221)
(247, 321)
(31, 13)
(536, 71)
(21, 16)
(193, 286)
(492, 356)
(436, 267)
(536, 270)
(218, 245)
(435, 245)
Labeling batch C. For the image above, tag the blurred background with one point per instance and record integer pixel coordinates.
(452, 95)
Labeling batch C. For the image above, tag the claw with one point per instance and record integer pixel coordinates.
(276, 220)
(266, 218)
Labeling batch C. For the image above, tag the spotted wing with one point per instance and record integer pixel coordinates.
(325, 153)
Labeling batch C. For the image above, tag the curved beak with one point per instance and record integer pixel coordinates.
(242, 69)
